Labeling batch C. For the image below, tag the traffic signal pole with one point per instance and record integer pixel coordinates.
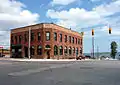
(93, 46)
(93, 43)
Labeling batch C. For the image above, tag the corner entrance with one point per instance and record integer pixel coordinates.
(47, 51)
(48, 54)
(16, 51)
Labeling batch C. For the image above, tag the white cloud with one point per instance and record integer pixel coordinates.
(81, 18)
(13, 14)
(62, 2)
(108, 9)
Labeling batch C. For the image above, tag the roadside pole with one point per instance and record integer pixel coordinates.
(93, 42)
(109, 29)
(29, 42)
(97, 52)
(93, 45)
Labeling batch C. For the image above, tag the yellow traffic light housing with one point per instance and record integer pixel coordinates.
(110, 29)
(92, 32)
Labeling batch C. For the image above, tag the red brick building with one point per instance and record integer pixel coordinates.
(47, 40)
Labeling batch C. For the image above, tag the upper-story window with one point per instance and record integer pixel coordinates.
(70, 39)
(25, 37)
(80, 50)
(32, 36)
(12, 41)
(65, 38)
(15, 39)
(20, 38)
(55, 36)
(39, 36)
(60, 37)
(81, 41)
(47, 36)
(76, 40)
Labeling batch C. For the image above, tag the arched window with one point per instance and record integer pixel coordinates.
(65, 50)
(73, 49)
(55, 50)
(61, 50)
(47, 47)
(32, 50)
(76, 51)
(80, 50)
(70, 50)
(39, 50)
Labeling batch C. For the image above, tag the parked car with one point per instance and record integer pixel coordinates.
(87, 56)
(80, 57)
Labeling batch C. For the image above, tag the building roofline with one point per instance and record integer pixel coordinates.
(66, 28)
(26, 26)
(44, 23)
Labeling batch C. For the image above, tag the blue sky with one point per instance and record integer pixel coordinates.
(80, 15)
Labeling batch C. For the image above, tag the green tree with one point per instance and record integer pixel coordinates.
(113, 49)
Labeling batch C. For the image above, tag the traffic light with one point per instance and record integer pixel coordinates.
(92, 32)
(110, 29)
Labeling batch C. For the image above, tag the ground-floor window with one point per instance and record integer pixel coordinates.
(70, 50)
(65, 50)
(76, 51)
(61, 50)
(39, 50)
(55, 50)
(73, 49)
(80, 50)
(32, 50)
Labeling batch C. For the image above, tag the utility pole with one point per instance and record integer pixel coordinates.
(93, 42)
(29, 43)
(93, 45)
(97, 52)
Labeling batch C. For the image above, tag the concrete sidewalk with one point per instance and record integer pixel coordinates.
(42, 60)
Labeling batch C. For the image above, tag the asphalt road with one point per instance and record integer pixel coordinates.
(60, 73)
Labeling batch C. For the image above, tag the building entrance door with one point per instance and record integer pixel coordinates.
(26, 51)
(48, 54)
